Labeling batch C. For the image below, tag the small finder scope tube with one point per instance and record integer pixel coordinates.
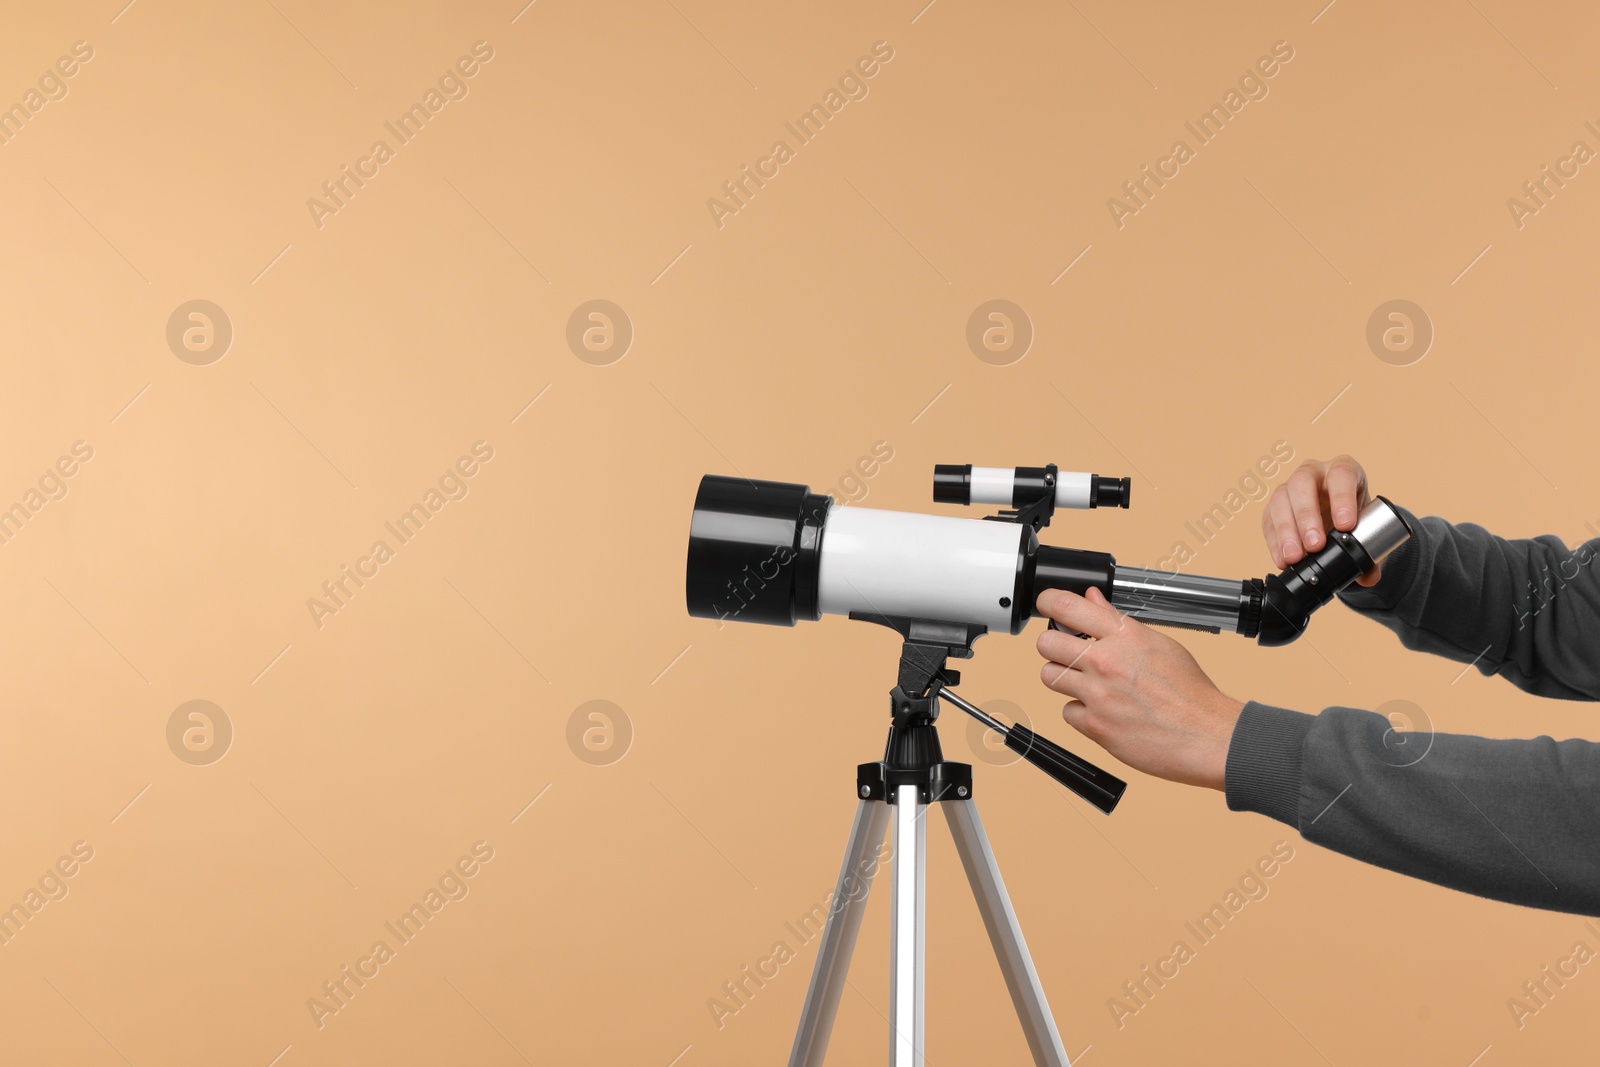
(1019, 486)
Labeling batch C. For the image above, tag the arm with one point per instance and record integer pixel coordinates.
(1528, 610)
(1512, 820)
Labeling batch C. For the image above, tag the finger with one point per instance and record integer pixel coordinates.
(1285, 544)
(1063, 648)
(1063, 680)
(1307, 507)
(1370, 578)
(1269, 534)
(1344, 491)
(1070, 609)
(1096, 595)
(1074, 712)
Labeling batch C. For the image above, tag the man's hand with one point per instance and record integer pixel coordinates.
(1136, 692)
(1317, 495)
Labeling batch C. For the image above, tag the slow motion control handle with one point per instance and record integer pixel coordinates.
(1099, 787)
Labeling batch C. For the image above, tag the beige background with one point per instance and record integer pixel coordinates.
(830, 313)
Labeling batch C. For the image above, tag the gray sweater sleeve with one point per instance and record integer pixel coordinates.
(1514, 820)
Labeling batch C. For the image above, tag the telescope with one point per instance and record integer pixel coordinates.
(774, 552)
(777, 553)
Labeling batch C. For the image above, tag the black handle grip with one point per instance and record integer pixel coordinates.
(1100, 788)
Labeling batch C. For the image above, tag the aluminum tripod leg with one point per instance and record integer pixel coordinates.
(1005, 933)
(845, 909)
(906, 961)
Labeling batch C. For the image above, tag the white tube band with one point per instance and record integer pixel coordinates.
(919, 566)
(993, 485)
(996, 485)
(1074, 489)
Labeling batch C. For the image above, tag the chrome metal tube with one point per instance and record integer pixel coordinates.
(1192, 600)
(908, 923)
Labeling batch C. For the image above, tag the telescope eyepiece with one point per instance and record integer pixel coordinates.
(1290, 597)
(1111, 492)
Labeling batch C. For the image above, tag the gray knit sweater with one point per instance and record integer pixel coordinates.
(1514, 820)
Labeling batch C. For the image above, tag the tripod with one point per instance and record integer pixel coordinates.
(913, 775)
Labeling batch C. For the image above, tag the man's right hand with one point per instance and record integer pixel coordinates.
(1321, 493)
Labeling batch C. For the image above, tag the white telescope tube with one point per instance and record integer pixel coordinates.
(776, 553)
(919, 566)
